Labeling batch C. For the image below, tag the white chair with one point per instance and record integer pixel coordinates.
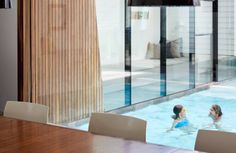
(26, 111)
(118, 126)
(215, 141)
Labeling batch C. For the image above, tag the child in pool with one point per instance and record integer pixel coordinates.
(180, 119)
(216, 115)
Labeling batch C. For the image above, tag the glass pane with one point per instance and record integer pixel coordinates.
(145, 37)
(226, 40)
(110, 18)
(177, 49)
(204, 43)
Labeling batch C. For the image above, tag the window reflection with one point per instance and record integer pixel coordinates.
(145, 53)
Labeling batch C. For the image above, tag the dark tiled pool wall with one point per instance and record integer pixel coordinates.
(160, 100)
(153, 101)
(145, 104)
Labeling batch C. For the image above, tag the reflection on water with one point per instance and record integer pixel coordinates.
(159, 119)
(198, 105)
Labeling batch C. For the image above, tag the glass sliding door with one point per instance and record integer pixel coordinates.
(145, 37)
(226, 39)
(130, 47)
(111, 19)
(204, 37)
(177, 49)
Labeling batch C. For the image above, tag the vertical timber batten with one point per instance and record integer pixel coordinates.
(59, 50)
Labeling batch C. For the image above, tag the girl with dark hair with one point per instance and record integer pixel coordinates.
(180, 119)
(177, 111)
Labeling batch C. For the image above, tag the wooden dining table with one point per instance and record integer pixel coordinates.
(17, 136)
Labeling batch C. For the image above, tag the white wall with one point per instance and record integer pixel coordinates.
(226, 27)
(144, 31)
(110, 18)
(111, 29)
(204, 29)
(8, 55)
(234, 28)
(178, 25)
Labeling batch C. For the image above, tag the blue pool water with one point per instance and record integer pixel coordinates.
(159, 119)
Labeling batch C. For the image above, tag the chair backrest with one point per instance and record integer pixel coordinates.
(118, 126)
(26, 111)
(215, 141)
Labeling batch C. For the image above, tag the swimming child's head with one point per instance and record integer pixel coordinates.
(215, 112)
(179, 111)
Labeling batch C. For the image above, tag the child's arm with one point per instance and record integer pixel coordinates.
(173, 126)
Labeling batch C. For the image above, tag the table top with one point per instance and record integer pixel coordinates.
(30, 137)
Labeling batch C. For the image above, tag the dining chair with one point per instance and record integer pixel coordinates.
(215, 141)
(26, 111)
(118, 126)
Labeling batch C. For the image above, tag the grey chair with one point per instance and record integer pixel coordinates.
(118, 126)
(215, 141)
(26, 111)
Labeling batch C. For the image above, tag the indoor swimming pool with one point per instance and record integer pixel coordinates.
(159, 119)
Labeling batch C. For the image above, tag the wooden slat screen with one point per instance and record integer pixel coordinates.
(24, 84)
(65, 61)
